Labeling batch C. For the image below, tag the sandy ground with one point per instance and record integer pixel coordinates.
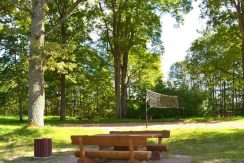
(175, 159)
(67, 157)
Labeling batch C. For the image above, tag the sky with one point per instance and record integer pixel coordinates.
(177, 40)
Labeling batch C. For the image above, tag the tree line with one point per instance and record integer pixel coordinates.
(214, 64)
(97, 58)
(78, 57)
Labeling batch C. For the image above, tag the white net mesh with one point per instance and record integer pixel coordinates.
(157, 100)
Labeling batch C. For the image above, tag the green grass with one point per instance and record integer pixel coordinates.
(209, 144)
(54, 120)
(213, 119)
(203, 144)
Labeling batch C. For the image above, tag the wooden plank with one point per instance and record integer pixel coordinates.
(131, 151)
(163, 133)
(116, 155)
(109, 140)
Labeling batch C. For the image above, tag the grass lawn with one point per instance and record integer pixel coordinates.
(202, 144)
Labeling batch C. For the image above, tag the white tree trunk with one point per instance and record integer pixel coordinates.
(36, 72)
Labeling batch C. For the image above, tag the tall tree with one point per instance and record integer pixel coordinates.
(227, 12)
(127, 24)
(36, 72)
(37, 57)
(68, 39)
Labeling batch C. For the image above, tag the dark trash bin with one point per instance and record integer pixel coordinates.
(42, 148)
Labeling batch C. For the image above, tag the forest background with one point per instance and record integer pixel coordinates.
(99, 57)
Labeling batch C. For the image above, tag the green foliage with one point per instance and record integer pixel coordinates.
(191, 100)
(81, 49)
(216, 67)
(59, 59)
(144, 70)
(13, 59)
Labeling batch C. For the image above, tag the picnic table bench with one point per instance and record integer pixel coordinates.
(90, 119)
(223, 114)
(90, 156)
(156, 149)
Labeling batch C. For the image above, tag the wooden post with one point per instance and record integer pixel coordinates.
(81, 145)
(146, 114)
(131, 149)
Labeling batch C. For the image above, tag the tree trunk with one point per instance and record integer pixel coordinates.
(240, 13)
(242, 101)
(242, 52)
(224, 100)
(117, 69)
(19, 101)
(220, 106)
(233, 92)
(63, 97)
(63, 29)
(213, 99)
(98, 109)
(124, 84)
(240, 96)
(36, 73)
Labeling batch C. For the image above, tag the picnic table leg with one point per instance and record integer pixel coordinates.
(131, 150)
(156, 155)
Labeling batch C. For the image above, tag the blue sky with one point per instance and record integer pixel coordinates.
(177, 40)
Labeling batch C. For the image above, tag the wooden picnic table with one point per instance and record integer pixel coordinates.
(155, 148)
(132, 154)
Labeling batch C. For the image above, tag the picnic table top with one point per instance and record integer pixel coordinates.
(147, 135)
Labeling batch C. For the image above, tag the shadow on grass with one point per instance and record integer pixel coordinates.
(19, 141)
(11, 120)
(57, 157)
(23, 132)
(221, 146)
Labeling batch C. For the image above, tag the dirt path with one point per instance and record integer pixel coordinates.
(174, 159)
(165, 125)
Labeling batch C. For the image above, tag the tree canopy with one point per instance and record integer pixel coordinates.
(97, 58)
